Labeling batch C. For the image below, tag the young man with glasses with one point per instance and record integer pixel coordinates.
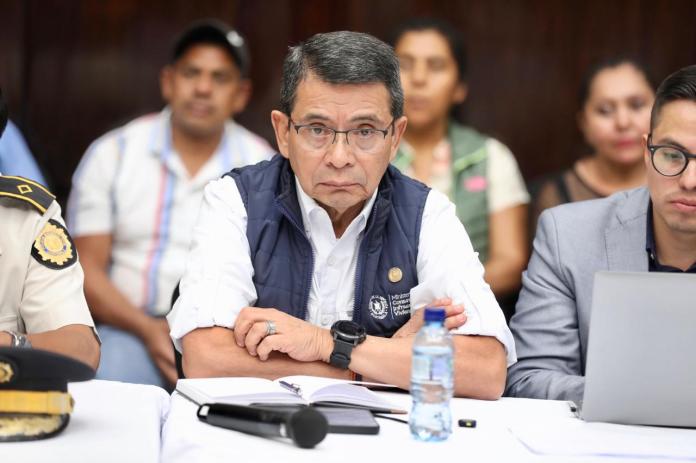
(313, 263)
(647, 229)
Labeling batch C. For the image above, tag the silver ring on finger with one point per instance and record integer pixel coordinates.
(270, 328)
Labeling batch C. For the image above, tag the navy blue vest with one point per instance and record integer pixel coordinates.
(282, 254)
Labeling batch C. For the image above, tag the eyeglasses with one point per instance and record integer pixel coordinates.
(364, 139)
(668, 160)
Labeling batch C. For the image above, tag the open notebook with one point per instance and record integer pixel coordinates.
(302, 390)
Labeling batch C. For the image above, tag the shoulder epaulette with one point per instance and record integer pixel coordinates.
(27, 190)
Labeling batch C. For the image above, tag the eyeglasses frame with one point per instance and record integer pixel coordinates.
(297, 127)
(653, 148)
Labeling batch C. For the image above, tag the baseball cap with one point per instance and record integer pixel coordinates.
(214, 31)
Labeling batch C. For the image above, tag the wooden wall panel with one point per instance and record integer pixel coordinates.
(73, 69)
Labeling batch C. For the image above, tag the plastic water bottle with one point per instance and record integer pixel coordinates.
(432, 379)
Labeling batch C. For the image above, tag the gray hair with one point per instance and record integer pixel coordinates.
(342, 57)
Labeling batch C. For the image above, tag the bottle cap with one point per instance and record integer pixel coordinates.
(434, 314)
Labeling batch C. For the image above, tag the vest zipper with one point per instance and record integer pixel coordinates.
(357, 297)
(308, 286)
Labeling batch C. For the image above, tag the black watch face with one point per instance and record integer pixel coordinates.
(349, 329)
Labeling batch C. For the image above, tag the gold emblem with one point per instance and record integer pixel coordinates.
(23, 427)
(395, 274)
(24, 188)
(53, 245)
(6, 372)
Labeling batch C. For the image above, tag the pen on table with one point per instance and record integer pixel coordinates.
(291, 387)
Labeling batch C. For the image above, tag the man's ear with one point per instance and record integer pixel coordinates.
(280, 122)
(399, 129)
(646, 152)
(166, 85)
(241, 96)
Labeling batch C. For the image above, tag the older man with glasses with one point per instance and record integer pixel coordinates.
(316, 261)
(647, 229)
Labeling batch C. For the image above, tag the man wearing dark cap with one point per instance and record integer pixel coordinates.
(42, 303)
(136, 195)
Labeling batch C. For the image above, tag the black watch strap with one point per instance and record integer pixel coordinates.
(340, 357)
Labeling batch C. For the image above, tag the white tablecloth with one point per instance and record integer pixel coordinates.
(185, 439)
(112, 422)
(119, 422)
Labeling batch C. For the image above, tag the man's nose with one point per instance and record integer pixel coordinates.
(687, 179)
(339, 153)
(204, 84)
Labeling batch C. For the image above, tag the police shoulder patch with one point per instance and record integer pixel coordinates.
(54, 248)
(26, 190)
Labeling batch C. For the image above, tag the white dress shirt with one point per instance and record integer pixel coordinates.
(218, 281)
(132, 185)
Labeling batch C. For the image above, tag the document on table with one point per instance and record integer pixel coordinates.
(574, 437)
(287, 390)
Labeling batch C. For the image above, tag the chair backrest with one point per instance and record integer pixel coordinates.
(177, 354)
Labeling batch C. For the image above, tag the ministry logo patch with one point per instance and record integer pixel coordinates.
(400, 304)
(378, 307)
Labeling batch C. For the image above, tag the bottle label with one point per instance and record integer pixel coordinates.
(432, 368)
(441, 369)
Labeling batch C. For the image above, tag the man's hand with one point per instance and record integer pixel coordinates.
(297, 338)
(159, 345)
(5, 339)
(455, 316)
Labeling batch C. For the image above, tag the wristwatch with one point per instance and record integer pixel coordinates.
(346, 335)
(19, 340)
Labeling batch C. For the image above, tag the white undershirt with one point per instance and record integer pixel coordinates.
(218, 281)
(335, 261)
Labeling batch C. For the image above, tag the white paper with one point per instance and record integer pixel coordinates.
(574, 437)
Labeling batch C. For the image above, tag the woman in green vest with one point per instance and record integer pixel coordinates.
(478, 173)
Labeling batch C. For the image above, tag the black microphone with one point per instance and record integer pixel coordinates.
(306, 426)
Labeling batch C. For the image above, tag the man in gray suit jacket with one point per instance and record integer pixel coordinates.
(646, 229)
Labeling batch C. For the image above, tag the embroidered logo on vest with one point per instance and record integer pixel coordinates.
(378, 307)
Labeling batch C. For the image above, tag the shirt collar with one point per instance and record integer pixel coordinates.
(161, 139)
(161, 135)
(654, 264)
(310, 208)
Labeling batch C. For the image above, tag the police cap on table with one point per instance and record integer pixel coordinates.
(34, 399)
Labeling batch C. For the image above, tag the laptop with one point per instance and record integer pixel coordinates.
(641, 355)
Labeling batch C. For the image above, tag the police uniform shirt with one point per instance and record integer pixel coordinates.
(41, 283)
